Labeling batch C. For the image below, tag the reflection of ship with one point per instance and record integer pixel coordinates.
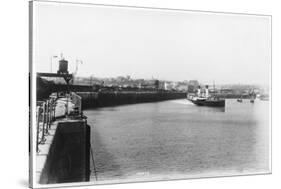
(206, 100)
(252, 100)
(252, 96)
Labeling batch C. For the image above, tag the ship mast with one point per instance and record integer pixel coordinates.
(214, 87)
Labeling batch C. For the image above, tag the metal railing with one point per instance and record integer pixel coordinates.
(45, 115)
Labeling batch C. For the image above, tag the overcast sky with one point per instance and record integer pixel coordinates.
(146, 43)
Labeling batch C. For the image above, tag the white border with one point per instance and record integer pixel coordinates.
(33, 102)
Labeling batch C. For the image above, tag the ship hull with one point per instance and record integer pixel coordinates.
(209, 103)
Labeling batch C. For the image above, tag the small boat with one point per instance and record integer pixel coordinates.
(239, 100)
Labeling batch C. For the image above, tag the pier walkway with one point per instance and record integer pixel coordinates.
(44, 148)
(60, 138)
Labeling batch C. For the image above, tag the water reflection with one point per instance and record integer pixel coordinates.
(211, 109)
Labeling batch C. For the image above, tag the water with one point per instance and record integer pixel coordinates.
(176, 139)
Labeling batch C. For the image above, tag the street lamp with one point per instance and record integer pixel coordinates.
(51, 61)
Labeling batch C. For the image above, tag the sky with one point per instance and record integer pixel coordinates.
(153, 43)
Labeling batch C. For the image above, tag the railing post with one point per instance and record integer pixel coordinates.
(38, 111)
(49, 115)
(43, 124)
(54, 109)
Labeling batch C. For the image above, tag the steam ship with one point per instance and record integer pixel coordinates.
(206, 99)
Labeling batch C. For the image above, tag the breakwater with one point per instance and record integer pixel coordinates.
(102, 99)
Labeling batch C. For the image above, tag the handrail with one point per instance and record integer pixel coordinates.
(45, 115)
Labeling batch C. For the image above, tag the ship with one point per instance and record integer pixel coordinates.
(206, 99)
(210, 101)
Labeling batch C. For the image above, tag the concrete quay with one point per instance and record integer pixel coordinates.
(63, 136)
(63, 156)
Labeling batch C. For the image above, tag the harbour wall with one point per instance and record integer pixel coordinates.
(69, 154)
(62, 141)
(103, 99)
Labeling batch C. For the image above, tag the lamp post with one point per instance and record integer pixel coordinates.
(51, 61)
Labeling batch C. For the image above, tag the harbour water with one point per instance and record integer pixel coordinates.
(177, 139)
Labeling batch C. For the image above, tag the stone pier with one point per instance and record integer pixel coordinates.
(65, 155)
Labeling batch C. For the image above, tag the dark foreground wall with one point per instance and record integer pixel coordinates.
(102, 99)
(69, 155)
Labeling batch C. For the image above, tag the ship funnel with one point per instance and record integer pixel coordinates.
(198, 91)
(207, 91)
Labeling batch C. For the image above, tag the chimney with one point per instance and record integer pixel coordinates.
(198, 91)
(207, 91)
